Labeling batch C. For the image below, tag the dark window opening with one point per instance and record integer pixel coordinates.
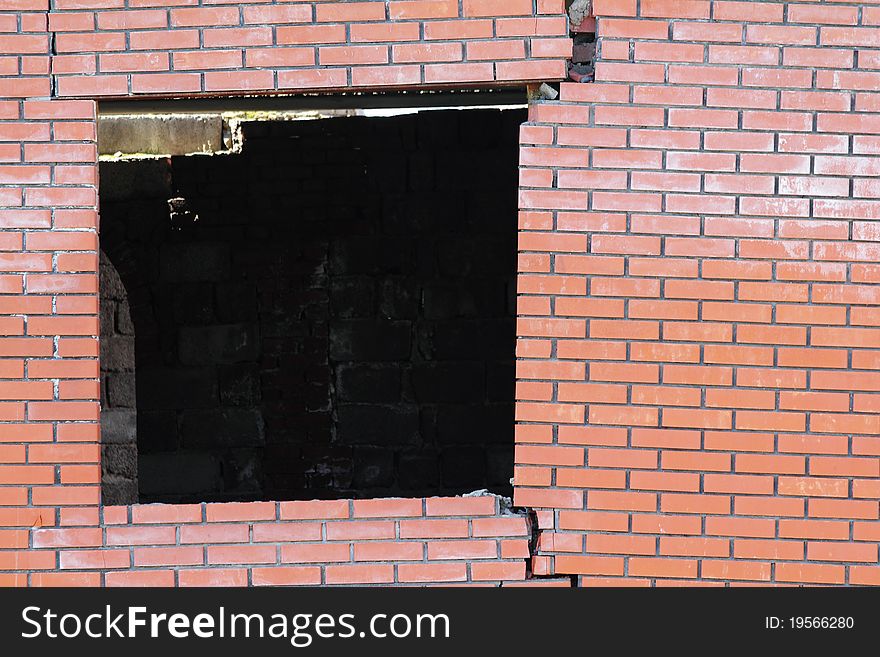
(328, 313)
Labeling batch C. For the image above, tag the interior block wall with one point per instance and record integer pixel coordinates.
(698, 320)
(329, 313)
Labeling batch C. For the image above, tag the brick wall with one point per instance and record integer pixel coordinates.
(699, 311)
(50, 471)
(339, 542)
(176, 47)
(699, 296)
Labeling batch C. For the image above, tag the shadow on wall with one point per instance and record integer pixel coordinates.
(330, 313)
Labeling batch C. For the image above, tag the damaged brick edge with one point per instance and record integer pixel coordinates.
(578, 10)
(538, 570)
(582, 30)
(544, 563)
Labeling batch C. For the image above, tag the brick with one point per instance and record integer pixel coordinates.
(864, 575)
(166, 513)
(694, 547)
(132, 19)
(140, 536)
(741, 441)
(392, 551)
(222, 577)
(280, 576)
(736, 570)
(231, 512)
(360, 530)
(645, 567)
(234, 533)
(561, 498)
(494, 8)
(143, 578)
(330, 509)
(746, 12)
(664, 481)
(375, 574)
(614, 458)
(809, 573)
(388, 508)
(701, 503)
(433, 529)
(638, 29)
(310, 34)
(386, 75)
(103, 559)
(460, 506)
(65, 579)
(241, 554)
(483, 571)
(439, 572)
(203, 16)
(169, 556)
(414, 9)
(55, 538)
(316, 553)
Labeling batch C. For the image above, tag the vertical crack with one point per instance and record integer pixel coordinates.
(53, 51)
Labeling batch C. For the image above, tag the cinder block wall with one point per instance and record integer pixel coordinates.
(329, 314)
(698, 341)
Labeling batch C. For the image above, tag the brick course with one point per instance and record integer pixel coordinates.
(105, 50)
(699, 292)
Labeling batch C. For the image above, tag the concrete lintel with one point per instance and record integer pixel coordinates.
(155, 135)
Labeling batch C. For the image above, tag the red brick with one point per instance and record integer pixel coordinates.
(314, 510)
(505, 570)
(98, 559)
(478, 505)
(232, 511)
(223, 577)
(316, 553)
(169, 556)
(66, 579)
(286, 576)
(644, 567)
(387, 508)
(374, 574)
(433, 528)
(238, 533)
(140, 536)
(360, 530)
(409, 9)
(241, 554)
(166, 513)
(391, 551)
(810, 573)
(431, 572)
(143, 578)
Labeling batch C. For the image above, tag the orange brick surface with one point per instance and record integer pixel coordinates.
(699, 293)
(726, 350)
